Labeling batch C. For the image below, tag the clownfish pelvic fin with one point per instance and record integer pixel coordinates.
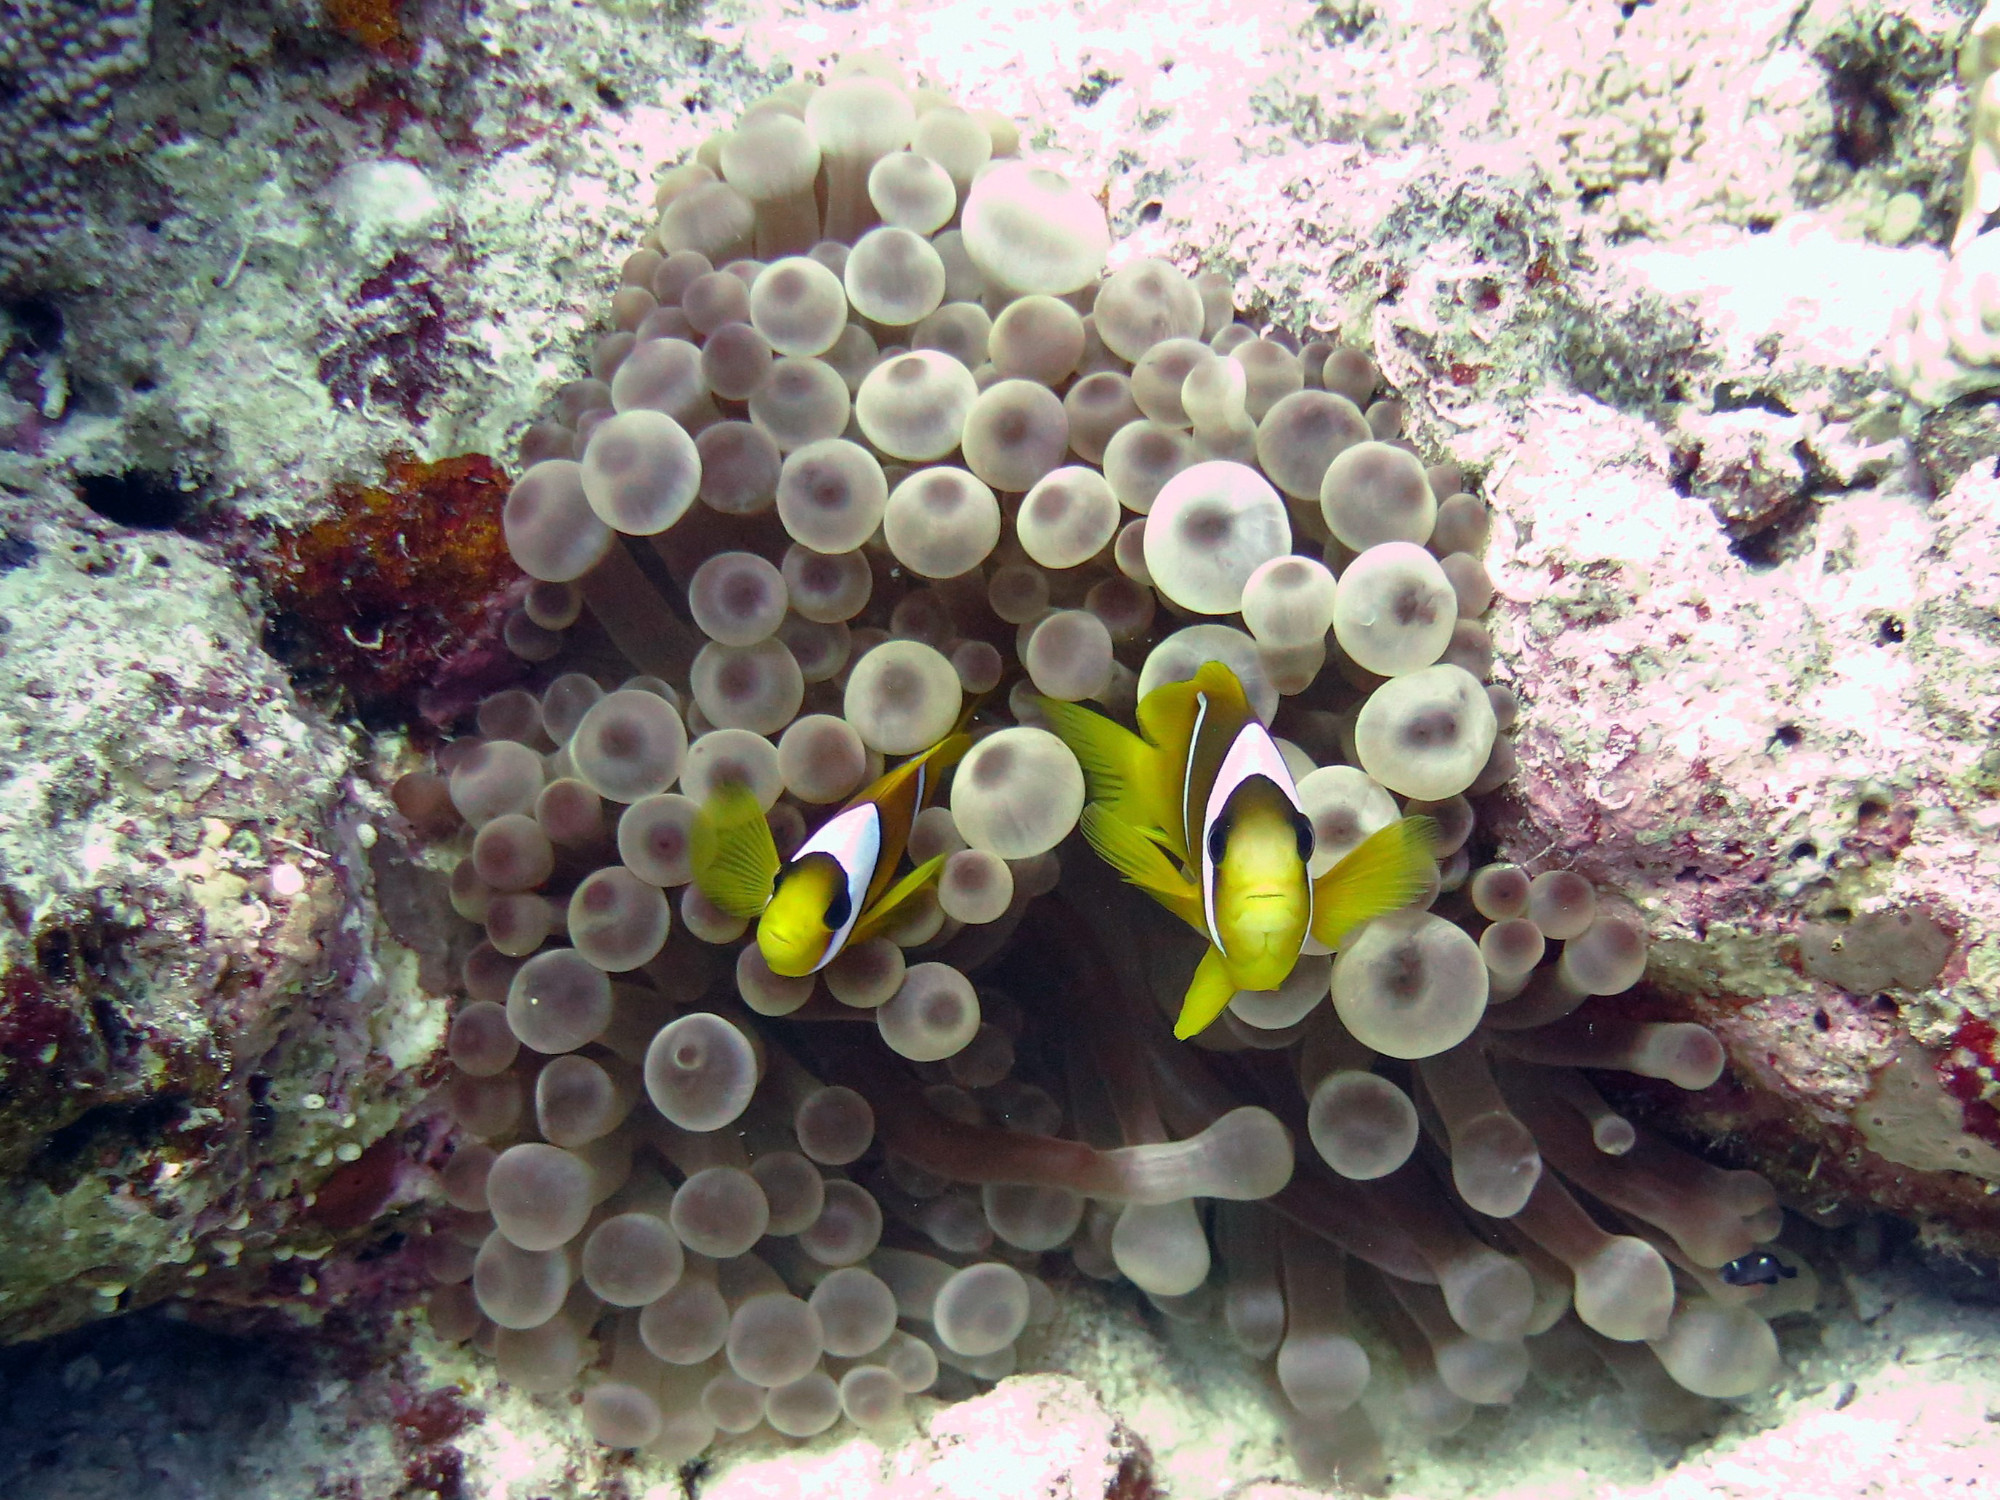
(1208, 994)
(1137, 855)
(883, 909)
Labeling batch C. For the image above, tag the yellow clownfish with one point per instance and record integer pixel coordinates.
(1208, 786)
(839, 887)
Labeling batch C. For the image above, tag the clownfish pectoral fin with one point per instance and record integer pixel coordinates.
(1208, 993)
(1114, 760)
(730, 848)
(1388, 869)
(1135, 853)
(883, 911)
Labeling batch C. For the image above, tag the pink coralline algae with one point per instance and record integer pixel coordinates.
(1790, 767)
(1622, 290)
(389, 348)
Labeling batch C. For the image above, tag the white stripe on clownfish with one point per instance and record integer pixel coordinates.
(1252, 753)
(1190, 829)
(853, 840)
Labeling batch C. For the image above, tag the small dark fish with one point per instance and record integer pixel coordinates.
(1758, 1268)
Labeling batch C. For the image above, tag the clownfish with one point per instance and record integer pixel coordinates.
(1202, 815)
(840, 886)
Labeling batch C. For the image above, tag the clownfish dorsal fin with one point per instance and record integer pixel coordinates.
(926, 766)
(734, 859)
(1208, 994)
(1169, 717)
(883, 909)
(1116, 763)
(1166, 718)
(1387, 870)
(917, 773)
(1192, 723)
(1137, 856)
(899, 794)
(1166, 714)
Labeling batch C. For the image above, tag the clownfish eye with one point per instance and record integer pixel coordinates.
(1218, 840)
(1302, 826)
(838, 908)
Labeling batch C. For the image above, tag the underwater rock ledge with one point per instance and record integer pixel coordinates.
(1752, 692)
(209, 1043)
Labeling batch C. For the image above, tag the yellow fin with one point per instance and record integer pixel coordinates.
(1135, 853)
(1211, 989)
(1114, 759)
(732, 853)
(881, 912)
(1389, 869)
(946, 753)
(1224, 688)
(899, 795)
(950, 750)
(1166, 715)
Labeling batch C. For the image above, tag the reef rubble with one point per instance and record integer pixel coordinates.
(1747, 600)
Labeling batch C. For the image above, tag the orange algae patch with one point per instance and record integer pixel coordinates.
(375, 24)
(398, 577)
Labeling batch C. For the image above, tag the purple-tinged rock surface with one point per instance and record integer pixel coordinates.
(208, 1039)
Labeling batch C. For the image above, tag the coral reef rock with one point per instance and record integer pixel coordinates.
(208, 1041)
(1695, 302)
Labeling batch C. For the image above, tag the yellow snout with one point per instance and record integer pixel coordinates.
(1263, 901)
(793, 934)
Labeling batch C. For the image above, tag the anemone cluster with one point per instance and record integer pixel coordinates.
(876, 441)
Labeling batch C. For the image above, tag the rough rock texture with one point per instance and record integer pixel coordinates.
(1632, 270)
(110, 1413)
(301, 253)
(206, 1038)
(1800, 794)
(62, 63)
(1895, 1393)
